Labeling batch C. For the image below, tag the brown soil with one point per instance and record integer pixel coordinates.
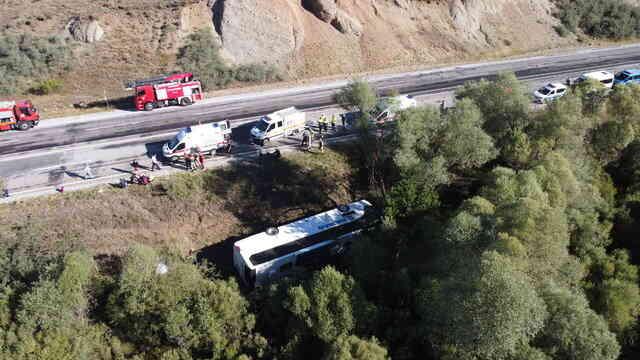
(188, 211)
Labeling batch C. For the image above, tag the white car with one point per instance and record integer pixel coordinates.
(550, 92)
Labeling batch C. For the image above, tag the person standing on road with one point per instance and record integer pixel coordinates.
(321, 143)
(343, 118)
(443, 106)
(155, 163)
(333, 122)
(135, 165)
(196, 161)
(201, 160)
(88, 174)
(187, 162)
(321, 123)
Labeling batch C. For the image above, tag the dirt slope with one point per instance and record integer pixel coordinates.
(142, 38)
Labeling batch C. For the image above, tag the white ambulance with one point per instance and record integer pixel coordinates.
(207, 138)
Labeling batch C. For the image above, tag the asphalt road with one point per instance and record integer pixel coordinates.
(33, 158)
(253, 105)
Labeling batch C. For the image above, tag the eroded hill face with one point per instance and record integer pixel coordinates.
(318, 37)
(305, 38)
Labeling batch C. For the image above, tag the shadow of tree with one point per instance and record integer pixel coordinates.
(267, 192)
(121, 103)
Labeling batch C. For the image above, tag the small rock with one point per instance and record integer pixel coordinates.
(347, 24)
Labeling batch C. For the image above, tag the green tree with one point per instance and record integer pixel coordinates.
(573, 330)
(489, 317)
(610, 138)
(504, 105)
(52, 320)
(464, 144)
(331, 304)
(179, 309)
(354, 348)
(358, 95)
(201, 56)
(560, 127)
(593, 96)
(624, 105)
(612, 286)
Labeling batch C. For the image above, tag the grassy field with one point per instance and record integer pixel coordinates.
(184, 212)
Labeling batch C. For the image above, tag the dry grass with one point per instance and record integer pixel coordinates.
(187, 211)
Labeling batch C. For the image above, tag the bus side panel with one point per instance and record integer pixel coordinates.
(238, 263)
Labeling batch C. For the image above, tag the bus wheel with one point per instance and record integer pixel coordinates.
(185, 101)
(24, 125)
(148, 106)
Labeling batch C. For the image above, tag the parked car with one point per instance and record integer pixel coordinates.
(625, 77)
(550, 92)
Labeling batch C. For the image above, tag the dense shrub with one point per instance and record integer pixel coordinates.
(47, 86)
(25, 58)
(201, 56)
(613, 19)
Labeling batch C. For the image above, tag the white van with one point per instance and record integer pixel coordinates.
(604, 77)
(207, 138)
(280, 123)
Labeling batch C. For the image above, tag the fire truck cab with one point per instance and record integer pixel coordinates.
(176, 89)
(21, 115)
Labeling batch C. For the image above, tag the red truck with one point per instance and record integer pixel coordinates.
(161, 91)
(20, 115)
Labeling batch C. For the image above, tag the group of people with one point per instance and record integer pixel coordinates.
(323, 123)
(194, 161)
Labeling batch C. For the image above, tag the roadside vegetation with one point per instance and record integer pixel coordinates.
(612, 19)
(507, 234)
(28, 61)
(201, 57)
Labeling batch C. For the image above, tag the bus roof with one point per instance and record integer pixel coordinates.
(299, 229)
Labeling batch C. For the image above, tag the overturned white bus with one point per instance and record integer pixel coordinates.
(271, 254)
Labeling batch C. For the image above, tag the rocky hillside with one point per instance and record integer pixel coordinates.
(318, 37)
(116, 40)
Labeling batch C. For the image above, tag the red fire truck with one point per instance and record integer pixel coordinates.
(20, 115)
(165, 90)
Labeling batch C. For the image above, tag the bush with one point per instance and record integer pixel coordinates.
(201, 56)
(25, 58)
(612, 19)
(561, 30)
(46, 87)
(256, 73)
